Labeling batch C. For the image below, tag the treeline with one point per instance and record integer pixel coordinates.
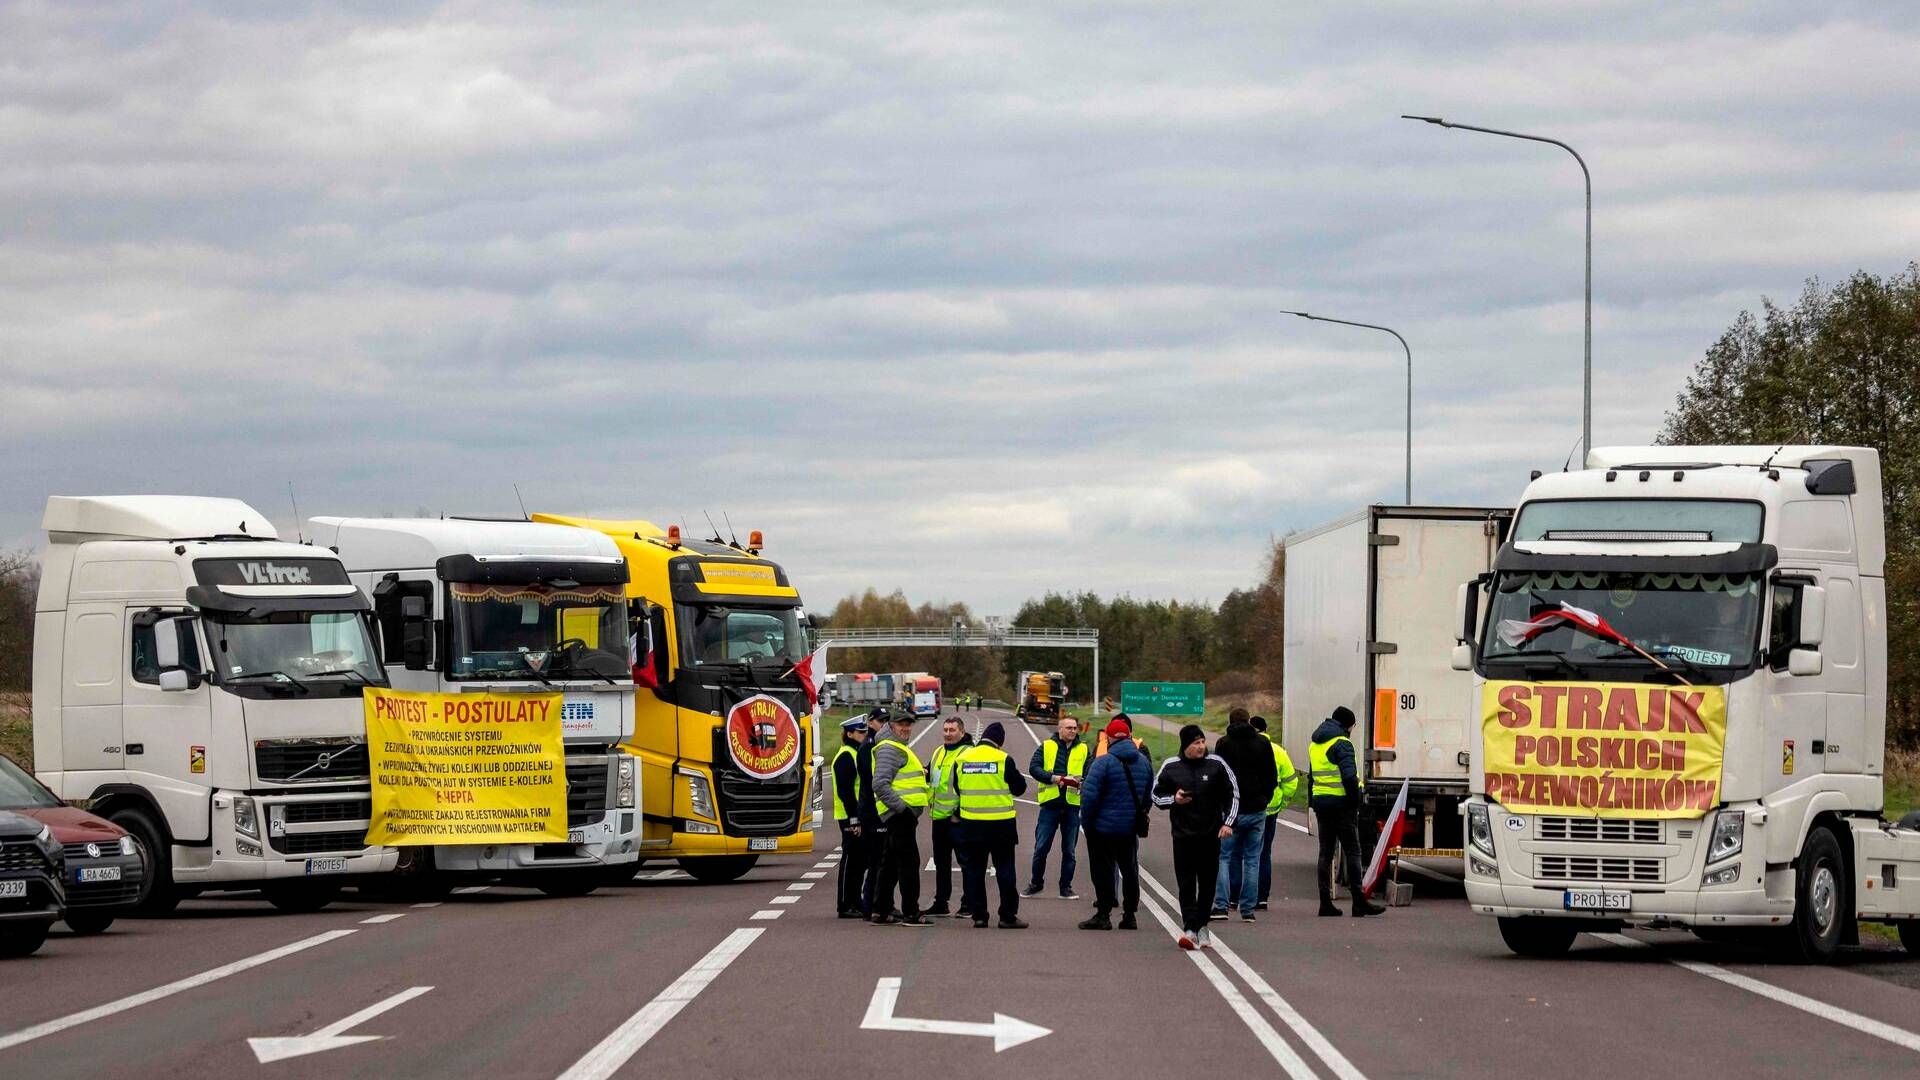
(1840, 366)
(19, 582)
(959, 670)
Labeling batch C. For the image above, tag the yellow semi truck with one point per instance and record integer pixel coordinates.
(722, 726)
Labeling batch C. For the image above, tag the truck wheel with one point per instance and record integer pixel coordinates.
(619, 873)
(718, 869)
(1910, 936)
(567, 882)
(23, 939)
(1539, 938)
(1820, 900)
(85, 923)
(162, 895)
(299, 897)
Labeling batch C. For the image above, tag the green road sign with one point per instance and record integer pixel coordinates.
(1164, 698)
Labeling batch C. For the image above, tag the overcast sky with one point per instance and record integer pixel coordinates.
(969, 301)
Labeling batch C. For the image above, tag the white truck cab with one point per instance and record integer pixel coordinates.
(199, 682)
(466, 606)
(1753, 572)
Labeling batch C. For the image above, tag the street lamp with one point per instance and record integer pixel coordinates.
(1586, 400)
(1409, 352)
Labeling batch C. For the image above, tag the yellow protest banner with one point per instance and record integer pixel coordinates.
(465, 768)
(1611, 750)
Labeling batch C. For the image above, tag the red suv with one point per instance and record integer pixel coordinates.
(105, 871)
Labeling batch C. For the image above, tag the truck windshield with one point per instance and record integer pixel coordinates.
(538, 631)
(19, 791)
(328, 651)
(1702, 620)
(716, 634)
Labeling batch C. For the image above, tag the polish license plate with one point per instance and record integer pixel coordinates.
(12, 890)
(763, 843)
(1597, 900)
(97, 873)
(326, 866)
(576, 836)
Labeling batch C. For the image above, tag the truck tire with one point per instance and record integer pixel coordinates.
(88, 923)
(565, 883)
(1910, 936)
(718, 869)
(299, 896)
(162, 895)
(22, 939)
(1820, 900)
(620, 873)
(1542, 939)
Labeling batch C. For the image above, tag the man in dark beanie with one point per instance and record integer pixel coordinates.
(1251, 759)
(1197, 791)
(1335, 798)
(987, 782)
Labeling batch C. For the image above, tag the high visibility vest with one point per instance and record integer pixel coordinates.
(946, 797)
(910, 783)
(1076, 766)
(839, 803)
(1326, 775)
(980, 778)
(1285, 781)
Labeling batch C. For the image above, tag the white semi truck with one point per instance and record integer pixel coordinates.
(466, 605)
(1682, 652)
(199, 683)
(1369, 602)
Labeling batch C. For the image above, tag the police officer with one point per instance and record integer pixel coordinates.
(873, 832)
(853, 810)
(987, 783)
(900, 794)
(1335, 797)
(946, 800)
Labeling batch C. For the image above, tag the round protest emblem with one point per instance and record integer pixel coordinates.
(762, 737)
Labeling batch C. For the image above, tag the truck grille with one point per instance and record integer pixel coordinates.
(751, 807)
(307, 813)
(336, 843)
(1599, 830)
(1591, 868)
(18, 856)
(310, 760)
(587, 789)
(355, 808)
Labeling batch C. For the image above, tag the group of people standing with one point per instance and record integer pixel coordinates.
(1223, 807)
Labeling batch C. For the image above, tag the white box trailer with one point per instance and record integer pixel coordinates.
(1371, 624)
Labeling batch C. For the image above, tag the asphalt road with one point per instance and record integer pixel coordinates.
(758, 978)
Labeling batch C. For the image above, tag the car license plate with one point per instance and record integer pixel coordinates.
(576, 836)
(97, 873)
(763, 843)
(1597, 900)
(326, 866)
(12, 889)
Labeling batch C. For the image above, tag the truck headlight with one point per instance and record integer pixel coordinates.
(699, 793)
(1480, 829)
(1729, 835)
(623, 784)
(1726, 875)
(244, 820)
(1482, 867)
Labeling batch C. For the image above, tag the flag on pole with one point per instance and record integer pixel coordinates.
(813, 673)
(1390, 835)
(1517, 632)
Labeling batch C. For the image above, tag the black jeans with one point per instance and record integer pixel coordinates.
(1196, 866)
(942, 860)
(873, 844)
(976, 847)
(1113, 853)
(899, 866)
(1339, 824)
(850, 894)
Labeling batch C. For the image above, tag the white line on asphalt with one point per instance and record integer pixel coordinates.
(1029, 802)
(626, 1040)
(1294, 825)
(433, 904)
(800, 886)
(826, 865)
(1283, 1054)
(469, 890)
(813, 875)
(146, 997)
(783, 899)
(376, 920)
(1866, 1025)
(765, 914)
(662, 875)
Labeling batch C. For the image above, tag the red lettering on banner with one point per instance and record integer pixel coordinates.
(1683, 712)
(1623, 710)
(1549, 698)
(1513, 707)
(1522, 746)
(1583, 707)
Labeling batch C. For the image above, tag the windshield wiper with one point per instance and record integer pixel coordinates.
(290, 680)
(355, 672)
(1540, 654)
(574, 668)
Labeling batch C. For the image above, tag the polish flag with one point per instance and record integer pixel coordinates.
(1517, 632)
(813, 672)
(1390, 836)
(640, 653)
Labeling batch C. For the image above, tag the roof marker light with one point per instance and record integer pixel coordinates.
(673, 536)
(754, 542)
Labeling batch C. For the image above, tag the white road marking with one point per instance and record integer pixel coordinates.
(1006, 1031)
(800, 886)
(1294, 825)
(1029, 802)
(784, 900)
(826, 865)
(469, 890)
(1866, 1025)
(626, 1040)
(146, 997)
(813, 875)
(1307, 1033)
(766, 914)
(331, 1037)
(433, 904)
(376, 920)
(662, 875)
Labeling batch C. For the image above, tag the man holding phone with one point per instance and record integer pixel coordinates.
(1201, 799)
(1059, 765)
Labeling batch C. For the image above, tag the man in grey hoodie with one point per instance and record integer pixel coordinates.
(901, 793)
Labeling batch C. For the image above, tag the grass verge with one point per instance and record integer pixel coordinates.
(16, 728)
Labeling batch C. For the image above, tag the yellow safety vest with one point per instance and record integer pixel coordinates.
(1286, 781)
(839, 805)
(946, 797)
(910, 783)
(1076, 766)
(1326, 775)
(981, 779)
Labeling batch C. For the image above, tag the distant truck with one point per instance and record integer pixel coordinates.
(199, 681)
(1369, 625)
(862, 689)
(1042, 694)
(920, 694)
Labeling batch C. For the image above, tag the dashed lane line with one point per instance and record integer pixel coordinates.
(377, 920)
(784, 900)
(800, 886)
(147, 997)
(626, 1040)
(813, 875)
(470, 890)
(429, 904)
(767, 914)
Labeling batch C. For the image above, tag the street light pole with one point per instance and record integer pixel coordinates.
(1409, 351)
(1586, 398)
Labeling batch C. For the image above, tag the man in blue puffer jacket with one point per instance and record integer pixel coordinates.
(1113, 797)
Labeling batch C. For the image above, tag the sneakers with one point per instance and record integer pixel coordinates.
(1128, 922)
(1098, 922)
(1069, 894)
(1032, 890)
(883, 920)
(979, 924)
(939, 909)
(963, 913)
(915, 920)
(1206, 938)
(1246, 916)
(1219, 915)
(1327, 910)
(1015, 923)
(1187, 942)
(1261, 906)
(1363, 908)
(853, 913)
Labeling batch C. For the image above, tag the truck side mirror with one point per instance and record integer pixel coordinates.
(1463, 657)
(415, 641)
(1462, 603)
(175, 679)
(1804, 662)
(166, 646)
(1813, 616)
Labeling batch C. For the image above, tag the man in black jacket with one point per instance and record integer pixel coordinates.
(1335, 800)
(873, 832)
(1197, 791)
(1251, 759)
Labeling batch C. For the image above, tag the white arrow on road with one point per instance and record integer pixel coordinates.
(330, 1037)
(954, 869)
(1006, 1031)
